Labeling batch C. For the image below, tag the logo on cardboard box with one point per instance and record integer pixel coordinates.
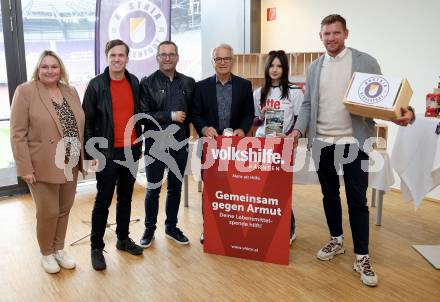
(373, 90)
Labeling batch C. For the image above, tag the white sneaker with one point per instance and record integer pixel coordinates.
(363, 266)
(332, 248)
(49, 264)
(64, 260)
(292, 238)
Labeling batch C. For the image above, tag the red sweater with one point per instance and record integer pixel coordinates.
(123, 110)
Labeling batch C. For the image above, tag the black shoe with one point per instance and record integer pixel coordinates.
(129, 246)
(98, 260)
(202, 238)
(147, 238)
(177, 235)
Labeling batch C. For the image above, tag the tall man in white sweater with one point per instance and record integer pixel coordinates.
(338, 141)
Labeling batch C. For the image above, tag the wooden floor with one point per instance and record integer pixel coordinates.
(168, 272)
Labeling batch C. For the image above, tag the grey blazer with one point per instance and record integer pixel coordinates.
(363, 127)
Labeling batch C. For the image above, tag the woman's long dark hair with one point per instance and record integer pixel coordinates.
(284, 80)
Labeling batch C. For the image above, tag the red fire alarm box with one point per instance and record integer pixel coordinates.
(271, 14)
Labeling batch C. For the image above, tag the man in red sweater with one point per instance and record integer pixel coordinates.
(110, 100)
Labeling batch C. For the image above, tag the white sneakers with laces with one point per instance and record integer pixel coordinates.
(49, 264)
(363, 266)
(331, 249)
(64, 260)
(52, 263)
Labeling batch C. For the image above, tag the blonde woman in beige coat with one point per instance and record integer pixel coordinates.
(47, 126)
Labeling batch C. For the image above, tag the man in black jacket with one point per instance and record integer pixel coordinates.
(165, 96)
(110, 101)
(222, 101)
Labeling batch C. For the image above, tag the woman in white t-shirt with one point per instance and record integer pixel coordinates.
(277, 103)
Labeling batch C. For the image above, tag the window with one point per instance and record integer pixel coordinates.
(8, 174)
(187, 34)
(66, 27)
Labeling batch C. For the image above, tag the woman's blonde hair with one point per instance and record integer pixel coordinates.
(64, 78)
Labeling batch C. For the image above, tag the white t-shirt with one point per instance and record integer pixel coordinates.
(289, 105)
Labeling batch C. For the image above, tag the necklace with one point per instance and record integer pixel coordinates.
(56, 96)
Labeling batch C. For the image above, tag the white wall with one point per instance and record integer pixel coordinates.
(225, 21)
(402, 35)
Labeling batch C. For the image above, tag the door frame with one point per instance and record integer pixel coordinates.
(13, 37)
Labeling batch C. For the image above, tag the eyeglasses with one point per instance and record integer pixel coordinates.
(218, 60)
(276, 52)
(167, 55)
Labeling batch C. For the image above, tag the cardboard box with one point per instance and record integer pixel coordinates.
(377, 96)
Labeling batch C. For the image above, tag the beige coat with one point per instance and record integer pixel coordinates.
(36, 131)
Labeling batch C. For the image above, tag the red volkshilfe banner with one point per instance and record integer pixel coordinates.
(247, 197)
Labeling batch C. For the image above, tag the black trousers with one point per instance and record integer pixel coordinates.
(331, 159)
(113, 175)
(155, 171)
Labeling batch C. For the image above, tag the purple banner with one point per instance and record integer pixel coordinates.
(142, 24)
